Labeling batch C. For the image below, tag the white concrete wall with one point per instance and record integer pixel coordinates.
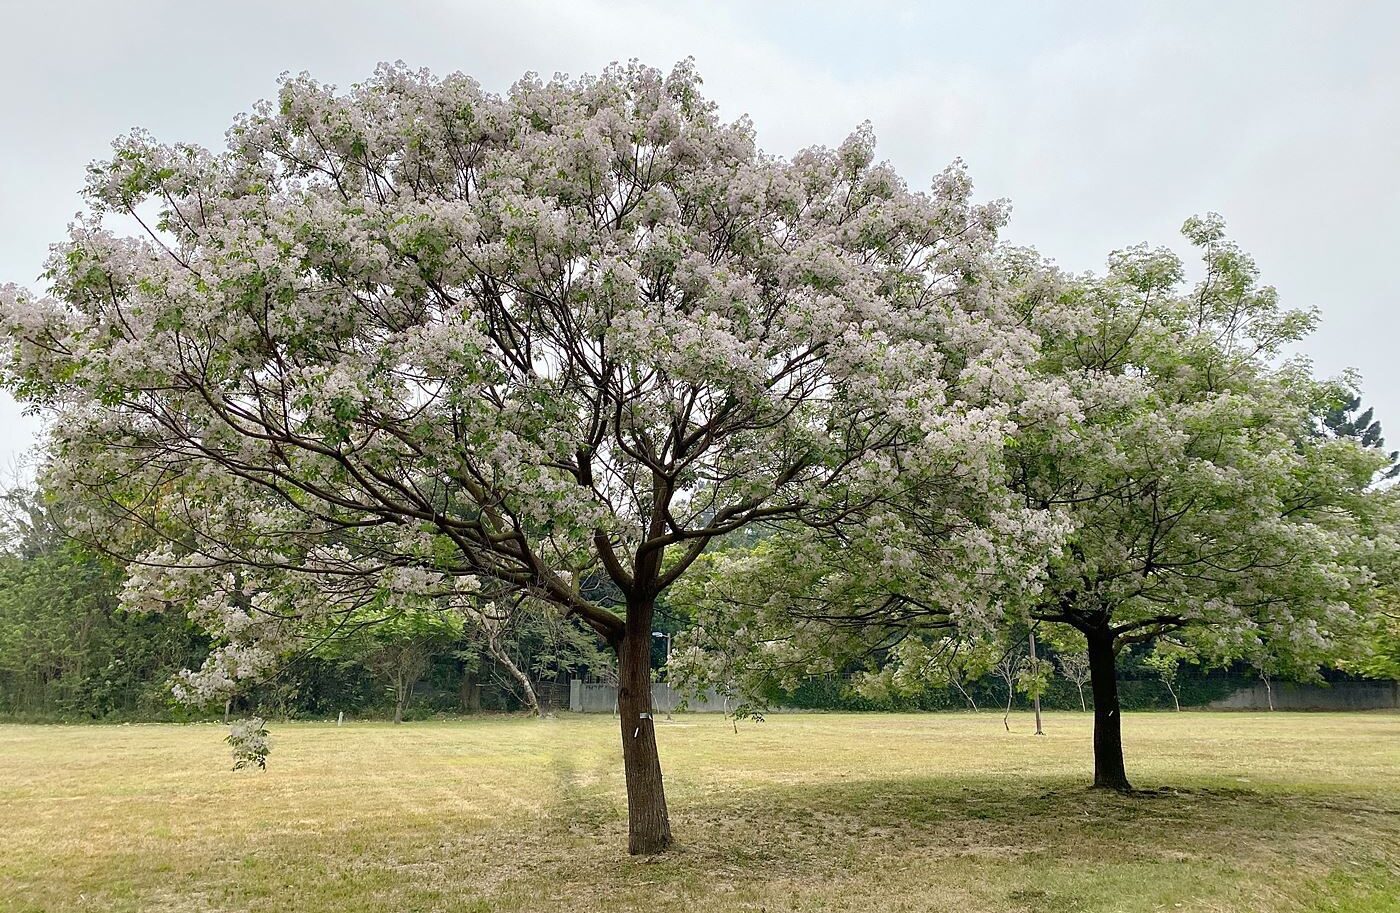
(595, 697)
(1334, 696)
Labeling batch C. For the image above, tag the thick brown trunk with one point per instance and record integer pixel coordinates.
(1109, 772)
(648, 825)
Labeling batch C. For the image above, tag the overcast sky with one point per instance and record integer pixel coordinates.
(1105, 124)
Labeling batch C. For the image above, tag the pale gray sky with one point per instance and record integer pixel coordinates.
(1105, 124)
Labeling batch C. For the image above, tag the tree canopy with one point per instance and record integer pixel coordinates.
(417, 338)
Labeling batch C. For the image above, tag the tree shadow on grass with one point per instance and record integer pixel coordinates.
(976, 838)
(937, 843)
(583, 803)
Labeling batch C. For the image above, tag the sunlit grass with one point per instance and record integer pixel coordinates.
(1257, 812)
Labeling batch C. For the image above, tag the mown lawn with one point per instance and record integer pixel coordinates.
(1255, 812)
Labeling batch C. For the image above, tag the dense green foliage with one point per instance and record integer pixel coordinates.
(66, 650)
(1136, 693)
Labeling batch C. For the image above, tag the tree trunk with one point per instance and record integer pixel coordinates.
(1083, 707)
(1176, 701)
(400, 697)
(499, 654)
(1109, 772)
(469, 694)
(648, 825)
(967, 697)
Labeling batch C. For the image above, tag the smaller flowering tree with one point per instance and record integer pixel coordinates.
(1164, 473)
(1205, 505)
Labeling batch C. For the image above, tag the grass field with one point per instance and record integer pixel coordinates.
(1259, 812)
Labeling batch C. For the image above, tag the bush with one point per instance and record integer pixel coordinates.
(838, 694)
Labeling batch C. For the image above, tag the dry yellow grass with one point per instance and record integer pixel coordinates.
(1264, 812)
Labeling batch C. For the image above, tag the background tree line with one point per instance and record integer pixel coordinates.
(68, 651)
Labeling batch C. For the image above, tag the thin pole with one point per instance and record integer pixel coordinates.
(1036, 698)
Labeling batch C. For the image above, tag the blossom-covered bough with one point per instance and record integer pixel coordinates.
(416, 341)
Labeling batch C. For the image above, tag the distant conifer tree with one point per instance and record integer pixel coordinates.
(1344, 420)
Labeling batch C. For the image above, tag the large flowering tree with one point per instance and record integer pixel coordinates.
(415, 343)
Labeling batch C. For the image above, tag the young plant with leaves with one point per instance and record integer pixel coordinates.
(1165, 662)
(1074, 666)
